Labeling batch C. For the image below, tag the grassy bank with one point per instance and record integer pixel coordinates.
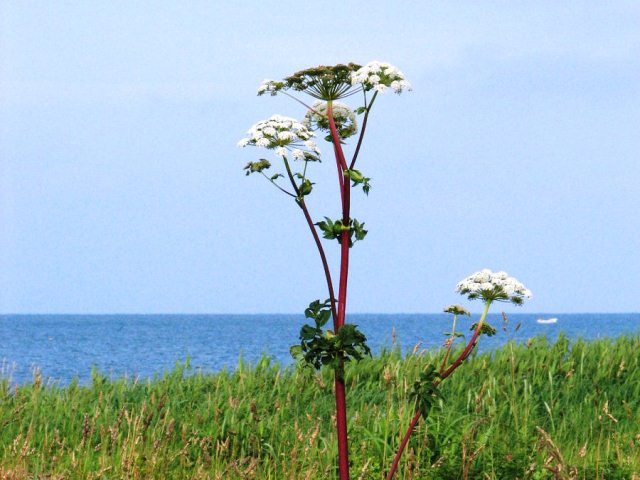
(520, 412)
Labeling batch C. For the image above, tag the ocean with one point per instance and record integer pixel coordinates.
(62, 347)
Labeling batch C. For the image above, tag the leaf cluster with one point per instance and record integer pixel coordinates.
(257, 167)
(320, 348)
(425, 390)
(358, 179)
(332, 230)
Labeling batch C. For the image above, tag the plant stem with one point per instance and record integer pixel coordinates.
(341, 403)
(323, 257)
(414, 421)
(449, 344)
(362, 130)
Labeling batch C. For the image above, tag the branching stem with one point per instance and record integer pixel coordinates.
(414, 421)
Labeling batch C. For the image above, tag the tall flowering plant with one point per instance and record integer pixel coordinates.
(487, 286)
(292, 144)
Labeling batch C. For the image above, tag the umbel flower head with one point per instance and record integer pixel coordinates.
(322, 82)
(283, 134)
(490, 286)
(380, 76)
(344, 117)
(339, 81)
(457, 310)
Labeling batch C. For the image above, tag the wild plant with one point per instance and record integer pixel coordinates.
(292, 143)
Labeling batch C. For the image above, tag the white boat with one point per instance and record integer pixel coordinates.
(547, 320)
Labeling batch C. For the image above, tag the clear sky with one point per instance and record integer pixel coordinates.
(122, 190)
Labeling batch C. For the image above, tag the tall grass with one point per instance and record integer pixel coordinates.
(529, 411)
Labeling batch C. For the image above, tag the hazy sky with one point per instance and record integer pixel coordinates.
(122, 190)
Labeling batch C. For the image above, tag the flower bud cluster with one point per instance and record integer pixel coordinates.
(491, 286)
(270, 86)
(283, 134)
(343, 116)
(380, 76)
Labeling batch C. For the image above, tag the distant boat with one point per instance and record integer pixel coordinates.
(547, 320)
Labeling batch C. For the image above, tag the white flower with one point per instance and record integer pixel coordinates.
(285, 135)
(379, 76)
(297, 154)
(491, 286)
(262, 142)
(270, 86)
(373, 67)
(243, 143)
(281, 151)
(311, 145)
(344, 118)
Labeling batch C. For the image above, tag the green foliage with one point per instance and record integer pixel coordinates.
(332, 230)
(259, 166)
(262, 421)
(319, 348)
(425, 390)
(358, 178)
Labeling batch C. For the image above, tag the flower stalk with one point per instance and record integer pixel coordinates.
(287, 137)
(489, 287)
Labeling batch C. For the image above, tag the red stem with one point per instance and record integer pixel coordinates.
(461, 358)
(362, 130)
(325, 264)
(341, 403)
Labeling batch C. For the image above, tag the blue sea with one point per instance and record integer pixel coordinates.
(62, 347)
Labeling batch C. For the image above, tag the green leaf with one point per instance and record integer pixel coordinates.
(296, 351)
(276, 176)
(323, 317)
(307, 332)
(359, 230)
(328, 229)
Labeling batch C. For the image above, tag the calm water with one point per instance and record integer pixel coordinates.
(66, 346)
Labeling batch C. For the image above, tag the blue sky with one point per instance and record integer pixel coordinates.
(122, 191)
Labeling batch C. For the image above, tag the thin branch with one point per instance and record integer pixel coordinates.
(278, 186)
(291, 179)
(323, 257)
(362, 130)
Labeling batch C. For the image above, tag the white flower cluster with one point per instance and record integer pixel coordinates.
(492, 286)
(270, 86)
(282, 134)
(343, 116)
(380, 76)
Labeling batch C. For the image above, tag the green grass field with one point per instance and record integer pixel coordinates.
(531, 411)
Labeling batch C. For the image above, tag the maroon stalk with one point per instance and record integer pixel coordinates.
(414, 421)
(362, 130)
(323, 257)
(341, 403)
(325, 264)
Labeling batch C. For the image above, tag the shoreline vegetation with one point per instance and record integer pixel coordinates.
(561, 410)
